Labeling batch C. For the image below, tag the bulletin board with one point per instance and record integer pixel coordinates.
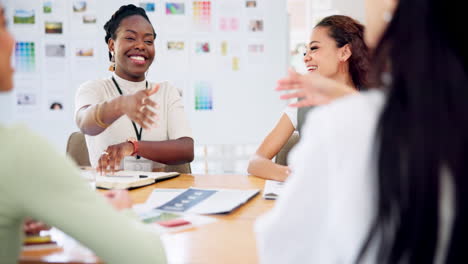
(224, 56)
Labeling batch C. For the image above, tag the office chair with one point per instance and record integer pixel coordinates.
(77, 149)
(282, 156)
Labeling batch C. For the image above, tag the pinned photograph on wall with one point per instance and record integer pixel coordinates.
(256, 51)
(173, 8)
(23, 16)
(224, 48)
(53, 27)
(89, 19)
(202, 47)
(175, 45)
(55, 50)
(203, 96)
(26, 99)
(84, 52)
(47, 7)
(250, 3)
(235, 63)
(229, 24)
(25, 56)
(148, 6)
(56, 106)
(256, 25)
(256, 48)
(79, 6)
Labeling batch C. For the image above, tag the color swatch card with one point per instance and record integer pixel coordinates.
(229, 24)
(174, 8)
(203, 96)
(202, 15)
(25, 57)
(148, 6)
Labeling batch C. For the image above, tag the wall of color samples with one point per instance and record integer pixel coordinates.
(224, 57)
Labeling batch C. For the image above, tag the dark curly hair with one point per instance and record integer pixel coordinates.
(345, 30)
(124, 11)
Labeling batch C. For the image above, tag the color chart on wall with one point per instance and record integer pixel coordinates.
(175, 8)
(25, 57)
(203, 96)
(202, 14)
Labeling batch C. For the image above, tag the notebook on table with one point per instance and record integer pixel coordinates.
(132, 179)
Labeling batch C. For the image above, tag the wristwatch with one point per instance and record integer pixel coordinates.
(134, 142)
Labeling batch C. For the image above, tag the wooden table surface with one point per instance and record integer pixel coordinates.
(229, 240)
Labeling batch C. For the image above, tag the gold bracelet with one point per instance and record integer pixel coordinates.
(97, 117)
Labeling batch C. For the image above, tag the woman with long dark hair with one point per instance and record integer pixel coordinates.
(336, 50)
(380, 177)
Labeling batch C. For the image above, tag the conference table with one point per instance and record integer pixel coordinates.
(230, 239)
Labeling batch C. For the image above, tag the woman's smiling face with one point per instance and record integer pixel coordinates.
(323, 55)
(133, 48)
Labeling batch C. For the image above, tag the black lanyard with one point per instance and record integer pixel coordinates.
(138, 133)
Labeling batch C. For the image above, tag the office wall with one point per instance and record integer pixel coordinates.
(352, 8)
(225, 62)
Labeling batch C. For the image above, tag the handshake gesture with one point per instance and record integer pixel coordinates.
(140, 108)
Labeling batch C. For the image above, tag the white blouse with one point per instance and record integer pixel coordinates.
(326, 208)
(172, 120)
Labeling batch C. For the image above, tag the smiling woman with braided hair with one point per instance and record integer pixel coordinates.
(128, 121)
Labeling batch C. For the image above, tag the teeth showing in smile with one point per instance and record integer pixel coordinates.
(312, 68)
(138, 58)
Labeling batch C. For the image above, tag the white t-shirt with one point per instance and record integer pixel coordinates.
(291, 113)
(328, 204)
(172, 120)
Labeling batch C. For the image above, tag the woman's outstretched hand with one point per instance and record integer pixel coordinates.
(311, 89)
(136, 107)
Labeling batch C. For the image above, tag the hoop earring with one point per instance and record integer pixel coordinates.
(387, 16)
(112, 64)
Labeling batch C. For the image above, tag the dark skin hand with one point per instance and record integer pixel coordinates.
(171, 152)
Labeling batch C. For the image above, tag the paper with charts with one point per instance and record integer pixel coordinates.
(208, 201)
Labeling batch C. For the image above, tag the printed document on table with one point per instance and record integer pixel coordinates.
(208, 201)
(272, 189)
